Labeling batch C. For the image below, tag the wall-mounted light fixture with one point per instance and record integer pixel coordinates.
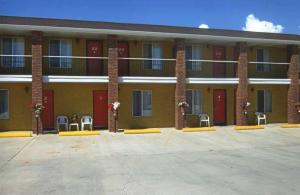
(26, 89)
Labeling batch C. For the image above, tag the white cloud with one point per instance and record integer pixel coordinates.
(203, 26)
(254, 24)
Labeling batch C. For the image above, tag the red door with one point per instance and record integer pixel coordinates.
(219, 102)
(123, 52)
(218, 67)
(100, 108)
(48, 112)
(94, 66)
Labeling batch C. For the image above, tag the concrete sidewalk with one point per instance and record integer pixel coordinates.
(220, 162)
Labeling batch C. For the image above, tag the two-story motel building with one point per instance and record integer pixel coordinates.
(78, 67)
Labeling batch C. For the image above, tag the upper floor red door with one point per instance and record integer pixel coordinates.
(123, 64)
(219, 67)
(219, 106)
(48, 112)
(94, 66)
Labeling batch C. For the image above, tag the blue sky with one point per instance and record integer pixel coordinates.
(224, 14)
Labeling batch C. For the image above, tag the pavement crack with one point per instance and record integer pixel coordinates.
(18, 152)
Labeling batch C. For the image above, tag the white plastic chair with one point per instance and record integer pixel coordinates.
(261, 117)
(62, 120)
(204, 118)
(86, 120)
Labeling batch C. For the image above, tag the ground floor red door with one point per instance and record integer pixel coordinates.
(123, 64)
(100, 107)
(94, 66)
(219, 106)
(219, 67)
(48, 112)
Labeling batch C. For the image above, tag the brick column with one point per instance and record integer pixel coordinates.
(180, 84)
(37, 77)
(113, 78)
(242, 88)
(293, 91)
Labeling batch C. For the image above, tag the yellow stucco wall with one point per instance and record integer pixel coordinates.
(279, 102)
(207, 67)
(19, 108)
(136, 67)
(78, 49)
(163, 106)
(72, 99)
(276, 54)
(207, 102)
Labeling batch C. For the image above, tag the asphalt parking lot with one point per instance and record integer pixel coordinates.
(221, 162)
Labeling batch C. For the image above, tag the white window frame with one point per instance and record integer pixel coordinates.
(193, 98)
(265, 100)
(142, 103)
(266, 58)
(8, 113)
(153, 66)
(196, 65)
(60, 59)
(13, 65)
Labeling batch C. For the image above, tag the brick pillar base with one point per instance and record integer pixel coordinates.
(242, 88)
(113, 79)
(37, 78)
(293, 90)
(180, 84)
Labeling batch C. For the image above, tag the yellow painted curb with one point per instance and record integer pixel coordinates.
(290, 125)
(252, 127)
(78, 133)
(198, 129)
(16, 134)
(141, 131)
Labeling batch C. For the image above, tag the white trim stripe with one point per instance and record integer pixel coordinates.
(264, 81)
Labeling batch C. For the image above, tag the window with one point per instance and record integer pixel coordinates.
(60, 48)
(194, 99)
(4, 104)
(264, 101)
(262, 55)
(193, 52)
(12, 46)
(142, 103)
(153, 50)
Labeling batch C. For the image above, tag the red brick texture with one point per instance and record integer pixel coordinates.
(37, 78)
(113, 79)
(180, 84)
(293, 91)
(242, 88)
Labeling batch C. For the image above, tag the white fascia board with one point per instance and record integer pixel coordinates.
(212, 80)
(163, 80)
(145, 33)
(265, 81)
(15, 78)
(75, 79)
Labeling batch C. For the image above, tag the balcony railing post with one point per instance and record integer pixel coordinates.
(113, 79)
(37, 78)
(180, 84)
(242, 88)
(293, 90)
